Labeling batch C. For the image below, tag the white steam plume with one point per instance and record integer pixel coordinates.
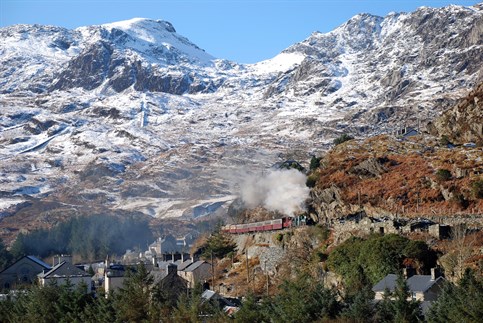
(278, 190)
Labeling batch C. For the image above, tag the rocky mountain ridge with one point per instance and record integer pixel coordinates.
(462, 123)
(131, 116)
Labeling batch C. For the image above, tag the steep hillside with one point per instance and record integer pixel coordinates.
(385, 175)
(133, 117)
(464, 122)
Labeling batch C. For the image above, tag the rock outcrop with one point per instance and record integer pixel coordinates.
(464, 122)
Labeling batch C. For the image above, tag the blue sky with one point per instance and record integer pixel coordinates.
(244, 31)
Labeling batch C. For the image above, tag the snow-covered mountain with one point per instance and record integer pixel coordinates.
(133, 116)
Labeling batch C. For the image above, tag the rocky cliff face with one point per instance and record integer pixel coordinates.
(462, 123)
(396, 63)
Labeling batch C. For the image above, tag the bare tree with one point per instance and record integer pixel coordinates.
(460, 250)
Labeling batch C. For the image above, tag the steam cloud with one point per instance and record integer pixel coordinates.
(278, 190)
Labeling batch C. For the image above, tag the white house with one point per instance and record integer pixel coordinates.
(63, 272)
(423, 288)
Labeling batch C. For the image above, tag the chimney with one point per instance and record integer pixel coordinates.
(60, 258)
(434, 273)
(171, 268)
(408, 272)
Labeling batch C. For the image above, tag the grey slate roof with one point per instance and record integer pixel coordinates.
(388, 282)
(162, 265)
(158, 275)
(421, 283)
(185, 264)
(208, 294)
(194, 265)
(40, 262)
(32, 258)
(64, 269)
(416, 283)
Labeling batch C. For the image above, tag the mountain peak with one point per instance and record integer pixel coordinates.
(141, 23)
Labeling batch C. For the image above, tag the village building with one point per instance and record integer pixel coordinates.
(229, 306)
(198, 271)
(406, 132)
(170, 284)
(423, 288)
(182, 266)
(23, 272)
(64, 272)
(113, 278)
(171, 248)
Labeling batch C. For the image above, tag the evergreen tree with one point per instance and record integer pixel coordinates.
(302, 300)
(360, 307)
(405, 310)
(398, 305)
(383, 309)
(132, 300)
(71, 302)
(250, 311)
(6, 257)
(463, 303)
(100, 310)
(218, 244)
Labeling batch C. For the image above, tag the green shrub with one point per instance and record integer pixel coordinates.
(314, 163)
(443, 175)
(477, 188)
(279, 237)
(311, 181)
(342, 138)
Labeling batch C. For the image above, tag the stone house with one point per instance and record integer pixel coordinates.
(63, 272)
(170, 284)
(171, 248)
(23, 272)
(198, 271)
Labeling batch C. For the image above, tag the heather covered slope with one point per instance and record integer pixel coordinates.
(388, 176)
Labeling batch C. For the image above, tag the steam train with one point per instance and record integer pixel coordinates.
(269, 225)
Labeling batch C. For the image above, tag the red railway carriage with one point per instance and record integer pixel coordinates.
(277, 224)
(253, 227)
(267, 225)
(246, 228)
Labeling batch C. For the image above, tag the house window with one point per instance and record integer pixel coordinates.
(6, 285)
(413, 296)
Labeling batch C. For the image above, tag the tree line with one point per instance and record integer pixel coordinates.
(90, 237)
(301, 299)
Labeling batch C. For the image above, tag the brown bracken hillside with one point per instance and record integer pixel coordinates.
(414, 176)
